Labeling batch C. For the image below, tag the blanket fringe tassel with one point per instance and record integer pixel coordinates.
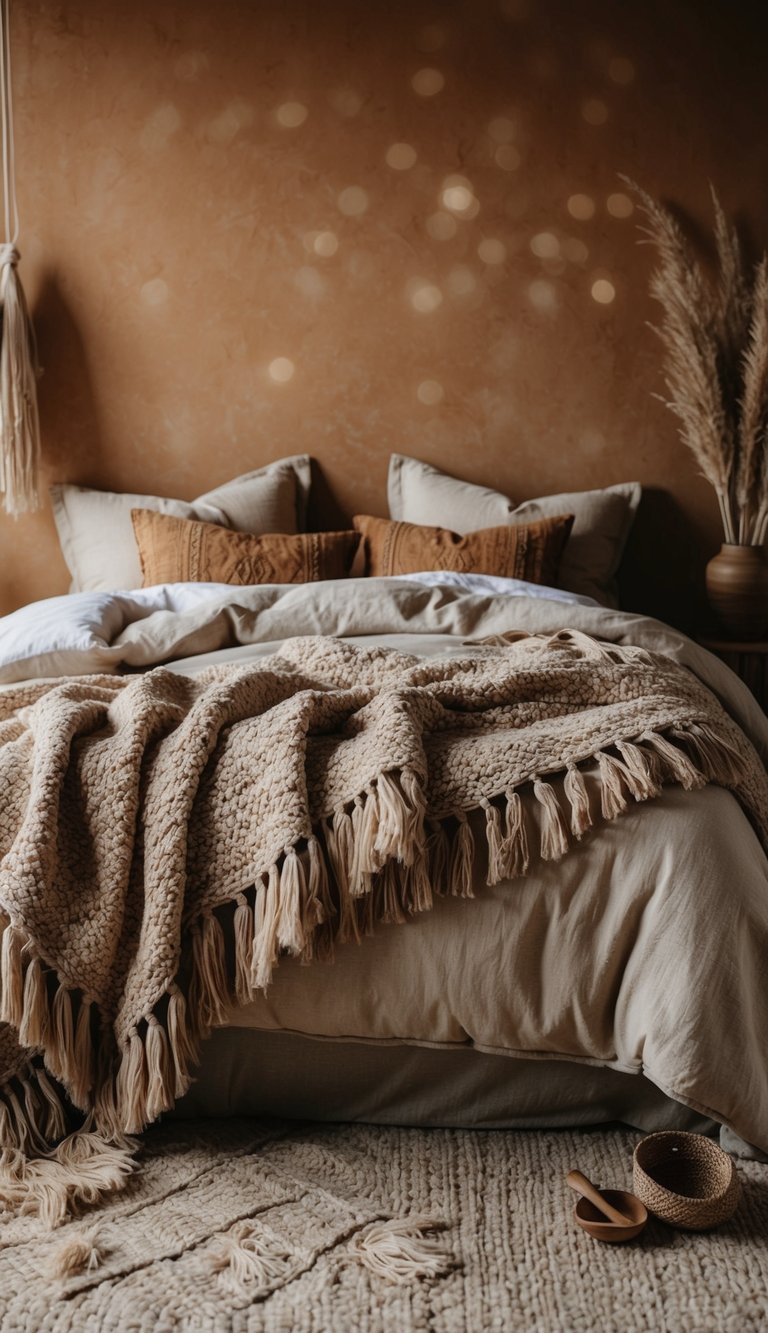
(378, 859)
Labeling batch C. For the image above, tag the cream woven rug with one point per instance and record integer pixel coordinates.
(172, 1251)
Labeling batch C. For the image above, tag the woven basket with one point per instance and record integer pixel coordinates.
(685, 1179)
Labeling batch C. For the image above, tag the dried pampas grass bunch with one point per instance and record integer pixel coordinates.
(715, 335)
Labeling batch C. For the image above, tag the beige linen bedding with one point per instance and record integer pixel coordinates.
(574, 966)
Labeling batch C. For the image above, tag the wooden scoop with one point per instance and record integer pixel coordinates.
(610, 1215)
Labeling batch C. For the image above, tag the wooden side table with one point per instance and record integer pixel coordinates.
(748, 660)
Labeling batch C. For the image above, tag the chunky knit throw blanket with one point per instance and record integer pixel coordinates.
(165, 838)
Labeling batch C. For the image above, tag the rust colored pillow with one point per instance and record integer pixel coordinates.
(529, 551)
(181, 550)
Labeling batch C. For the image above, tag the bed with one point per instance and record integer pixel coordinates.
(624, 980)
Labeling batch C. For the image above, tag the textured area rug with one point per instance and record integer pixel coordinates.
(252, 1226)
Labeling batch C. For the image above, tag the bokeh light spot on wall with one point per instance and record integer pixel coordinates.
(291, 114)
(190, 65)
(441, 226)
(281, 370)
(432, 37)
(325, 243)
(603, 291)
(502, 129)
(346, 101)
(154, 292)
(461, 281)
(492, 251)
(621, 70)
(575, 250)
(581, 207)
(229, 122)
(310, 283)
(401, 156)
(159, 127)
(620, 205)
(594, 111)
(423, 296)
(352, 201)
(430, 392)
(545, 245)
(542, 296)
(428, 82)
(458, 196)
(507, 157)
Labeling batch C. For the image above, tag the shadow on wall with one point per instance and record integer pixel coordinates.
(651, 583)
(70, 425)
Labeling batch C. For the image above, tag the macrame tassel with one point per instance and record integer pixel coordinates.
(495, 839)
(33, 1111)
(265, 931)
(400, 1251)
(462, 853)
(55, 1123)
(715, 756)
(340, 843)
(242, 926)
(419, 885)
(131, 1086)
(554, 836)
(34, 1019)
(578, 798)
(61, 1036)
(208, 990)
(516, 854)
(183, 1051)
(19, 424)
(11, 977)
(293, 889)
(678, 765)
(401, 818)
(640, 770)
(366, 860)
(437, 850)
(81, 1065)
(613, 801)
(160, 1073)
(341, 848)
(417, 808)
(390, 887)
(319, 888)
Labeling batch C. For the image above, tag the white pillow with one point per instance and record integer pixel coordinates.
(96, 532)
(419, 493)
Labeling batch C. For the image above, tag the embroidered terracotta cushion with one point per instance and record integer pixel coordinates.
(529, 551)
(420, 493)
(181, 550)
(97, 539)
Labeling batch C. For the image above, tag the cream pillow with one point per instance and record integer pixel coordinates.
(96, 533)
(419, 493)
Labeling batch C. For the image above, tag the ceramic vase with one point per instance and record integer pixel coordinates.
(737, 588)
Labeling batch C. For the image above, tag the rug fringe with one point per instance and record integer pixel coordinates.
(83, 1253)
(249, 1260)
(399, 1250)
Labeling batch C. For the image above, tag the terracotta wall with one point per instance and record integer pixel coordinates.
(210, 190)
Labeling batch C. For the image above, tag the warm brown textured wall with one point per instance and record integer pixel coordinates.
(205, 188)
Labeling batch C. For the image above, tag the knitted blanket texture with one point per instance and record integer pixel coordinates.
(165, 838)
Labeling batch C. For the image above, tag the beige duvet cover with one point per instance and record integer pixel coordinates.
(644, 949)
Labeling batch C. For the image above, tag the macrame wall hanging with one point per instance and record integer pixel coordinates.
(19, 425)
